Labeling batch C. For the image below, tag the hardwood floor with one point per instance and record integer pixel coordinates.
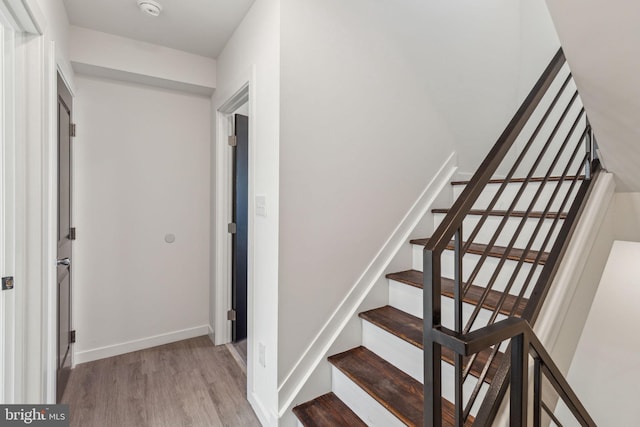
(241, 348)
(188, 383)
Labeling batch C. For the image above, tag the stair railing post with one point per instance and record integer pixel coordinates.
(537, 392)
(519, 380)
(432, 351)
(589, 149)
(457, 298)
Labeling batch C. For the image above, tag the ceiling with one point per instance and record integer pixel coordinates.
(197, 26)
(602, 50)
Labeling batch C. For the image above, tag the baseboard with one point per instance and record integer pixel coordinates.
(212, 335)
(567, 279)
(314, 354)
(140, 344)
(266, 418)
(558, 304)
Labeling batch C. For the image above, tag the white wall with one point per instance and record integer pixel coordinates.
(374, 97)
(604, 372)
(566, 308)
(600, 40)
(360, 139)
(253, 53)
(627, 216)
(141, 172)
(106, 55)
(469, 63)
(56, 29)
(538, 43)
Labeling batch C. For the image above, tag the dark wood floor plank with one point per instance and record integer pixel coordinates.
(327, 411)
(188, 383)
(409, 328)
(401, 394)
(515, 214)
(496, 251)
(415, 278)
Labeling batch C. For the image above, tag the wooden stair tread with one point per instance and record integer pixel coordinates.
(415, 278)
(496, 251)
(401, 394)
(515, 214)
(410, 328)
(327, 410)
(533, 179)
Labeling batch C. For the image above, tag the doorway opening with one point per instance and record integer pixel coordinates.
(65, 236)
(239, 229)
(234, 226)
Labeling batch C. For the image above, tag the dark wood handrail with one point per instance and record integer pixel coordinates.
(491, 335)
(445, 231)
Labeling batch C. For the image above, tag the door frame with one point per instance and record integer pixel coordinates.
(34, 354)
(223, 215)
(8, 336)
(243, 92)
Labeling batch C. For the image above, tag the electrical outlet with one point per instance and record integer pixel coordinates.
(261, 205)
(261, 355)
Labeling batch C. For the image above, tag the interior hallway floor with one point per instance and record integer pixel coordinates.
(188, 383)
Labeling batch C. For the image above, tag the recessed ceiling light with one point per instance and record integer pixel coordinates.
(150, 7)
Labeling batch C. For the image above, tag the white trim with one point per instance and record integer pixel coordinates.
(20, 222)
(7, 180)
(224, 128)
(30, 352)
(37, 276)
(266, 418)
(566, 281)
(244, 91)
(558, 309)
(26, 14)
(140, 344)
(222, 326)
(67, 78)
(49, 226)
(315, 353)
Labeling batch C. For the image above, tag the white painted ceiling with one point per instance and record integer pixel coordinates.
(197, 26)
(600, 40)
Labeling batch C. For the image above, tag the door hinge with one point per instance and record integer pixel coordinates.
(72, 129)
(233, 141)
(232, 227)
(72, 233)
(72, 337)
(7, 283)
(231, 315)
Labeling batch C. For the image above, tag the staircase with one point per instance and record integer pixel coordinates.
(490, 261)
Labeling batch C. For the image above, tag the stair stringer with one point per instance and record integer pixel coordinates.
(311, 375)
(565, 310)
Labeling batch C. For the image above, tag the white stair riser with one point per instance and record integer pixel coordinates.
(492, 223)
(409, 359)
(511, 190)
(361, 403)
(410, 300)
(486, 271)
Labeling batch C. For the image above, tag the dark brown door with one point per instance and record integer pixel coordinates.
(64, 237)
(240, 218)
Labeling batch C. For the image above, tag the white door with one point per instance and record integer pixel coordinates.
(7, 212)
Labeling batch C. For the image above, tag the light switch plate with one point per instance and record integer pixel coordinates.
(261, 205)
